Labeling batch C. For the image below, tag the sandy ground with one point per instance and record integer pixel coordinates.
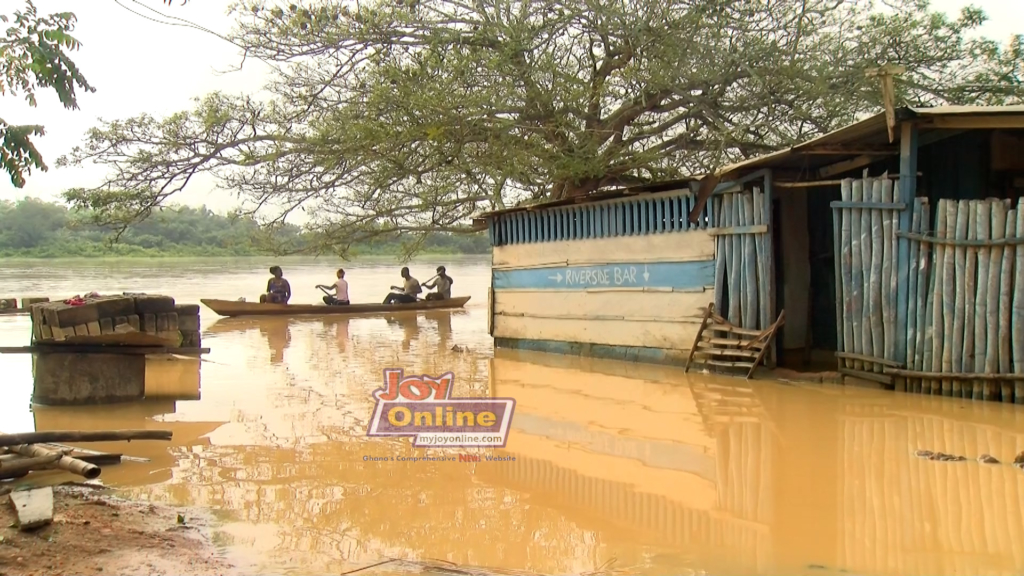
(95, 533)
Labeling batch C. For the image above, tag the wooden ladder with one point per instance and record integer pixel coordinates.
(730, 346)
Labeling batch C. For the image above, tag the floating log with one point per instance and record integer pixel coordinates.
(67, 463)
(33, 507)
(20, 466)
(79, 451)
(82, 436)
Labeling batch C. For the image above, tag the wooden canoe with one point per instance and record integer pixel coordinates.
(234, 308)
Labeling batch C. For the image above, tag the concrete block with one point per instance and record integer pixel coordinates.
(94, 328)
(28, 302)
(153, 304)
(186, 309)
(161, 323)
(34, 507)
(81, 330)
(188, 323)
(107, 325)
(63, 379)
(133, 321)
(6, 303)
(149, 323)
(120, 320)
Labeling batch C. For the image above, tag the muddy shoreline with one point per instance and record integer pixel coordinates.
(95, 532)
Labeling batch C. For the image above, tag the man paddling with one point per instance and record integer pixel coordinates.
(340, 296)
(408, 291)
(442, 285)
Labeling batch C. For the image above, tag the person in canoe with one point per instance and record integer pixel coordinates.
(340, 296)
(407, 292)
(279, 291)
(442, 284)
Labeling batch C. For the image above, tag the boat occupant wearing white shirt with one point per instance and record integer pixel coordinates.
(340, 296)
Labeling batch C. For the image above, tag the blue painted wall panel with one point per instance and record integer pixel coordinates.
(678, 275)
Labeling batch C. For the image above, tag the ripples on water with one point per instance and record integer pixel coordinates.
(663, 472)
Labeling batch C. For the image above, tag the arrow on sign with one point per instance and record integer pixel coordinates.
(646, 273)
(556, 277)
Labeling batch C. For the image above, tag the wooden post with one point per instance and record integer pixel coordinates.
(984, 226)
(857, 277)
(908, 189)
(970, 289)
(769, 219)
(959, 264)
(841, 248)
(1005, 294)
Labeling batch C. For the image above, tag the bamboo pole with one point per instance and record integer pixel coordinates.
(734, 262)
(960, 263)
(927, 284)
(913, 327)
(948, 298)
(750, 308)
(1018, 311)
(866, 261)
(969, 289)
(73, 465)
(762, 259)
(875, 319)
(889, 271)
(984, 217)
(937, 324)
(847, 272)
(721, 247)
(82, 436)
(16, 468)
(1005, 299)
(857, 275)
(992, 318)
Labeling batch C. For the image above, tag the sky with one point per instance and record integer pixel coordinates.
(141, 66)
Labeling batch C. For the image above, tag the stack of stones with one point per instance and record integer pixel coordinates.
(104, 316)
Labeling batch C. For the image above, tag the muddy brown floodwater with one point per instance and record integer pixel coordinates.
(639, 468)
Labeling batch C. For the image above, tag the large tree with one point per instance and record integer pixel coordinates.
(410, 115)
(34, 55)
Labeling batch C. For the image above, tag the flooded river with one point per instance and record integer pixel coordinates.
(638, 468)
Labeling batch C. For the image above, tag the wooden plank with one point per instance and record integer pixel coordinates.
(966, 122)
(727, 352)
(868, 359)
(748, 229)
(34, 507)
(907, 191)
(670, 306)
(869, 205)
(681, 246)
(880, 378)
(846, 165)
(954, 242)
(672, 335)
(685, 275)
(954, 375)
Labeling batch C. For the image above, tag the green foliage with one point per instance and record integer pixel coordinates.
(34, 56)
(33, 228)
(408, 117)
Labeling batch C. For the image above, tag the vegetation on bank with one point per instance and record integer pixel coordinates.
(33, 228)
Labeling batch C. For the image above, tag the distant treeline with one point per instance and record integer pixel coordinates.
(33, 228)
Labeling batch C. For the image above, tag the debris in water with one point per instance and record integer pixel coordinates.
(987, 459)
(1019, 459)
(923, 453)
(943, 457)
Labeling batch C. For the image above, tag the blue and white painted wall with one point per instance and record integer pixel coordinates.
(628, 273)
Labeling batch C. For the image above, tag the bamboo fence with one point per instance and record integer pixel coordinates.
(965, 309)
(743, 258)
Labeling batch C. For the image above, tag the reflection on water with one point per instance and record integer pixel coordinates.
(661, 471)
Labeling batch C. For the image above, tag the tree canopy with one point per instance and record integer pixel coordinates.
(33, 56)
(410, 115)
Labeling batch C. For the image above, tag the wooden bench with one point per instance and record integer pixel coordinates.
(721, 343)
